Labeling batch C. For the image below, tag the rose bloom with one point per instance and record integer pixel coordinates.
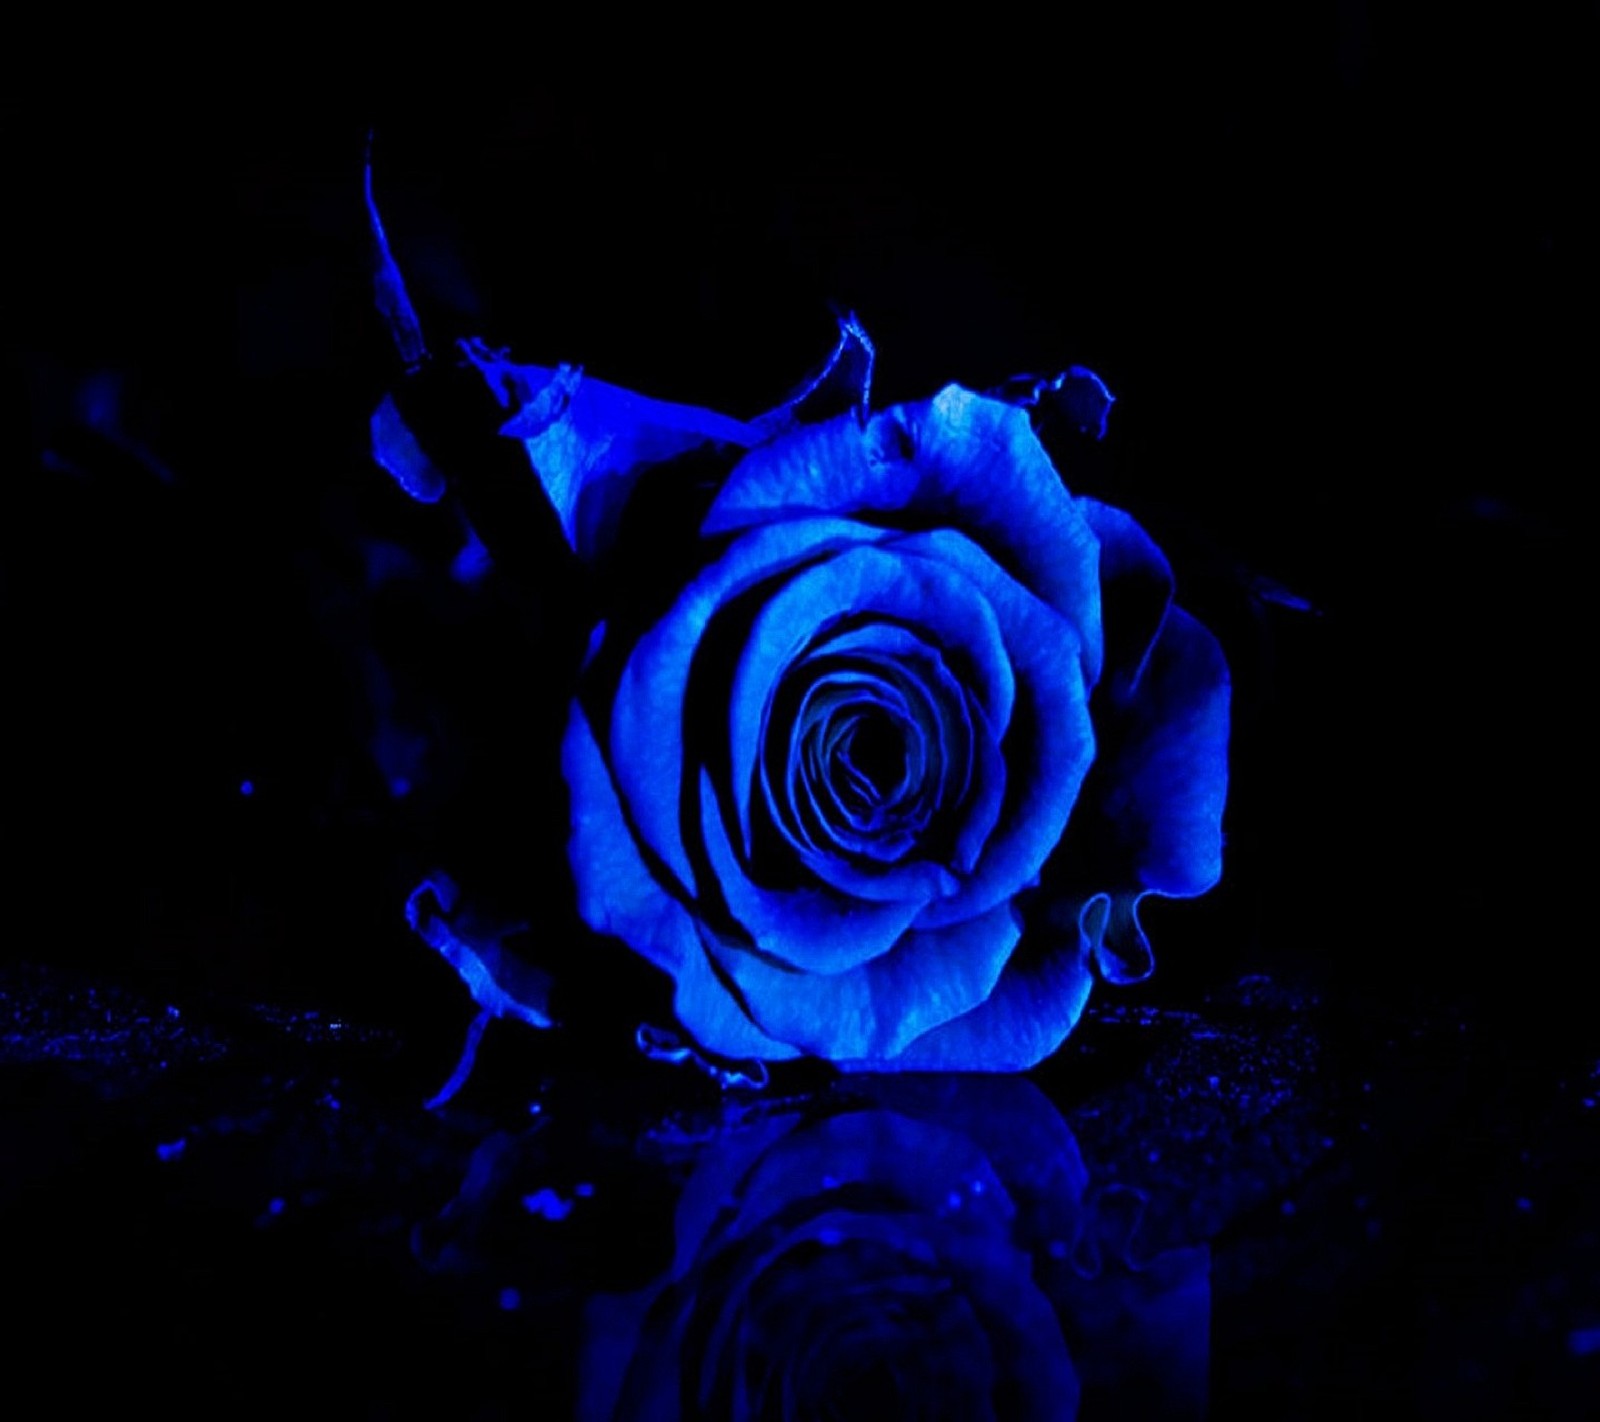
(877, 756)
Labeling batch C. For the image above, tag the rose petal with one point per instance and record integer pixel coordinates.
(958, 459)
(1121, 950)
(616, 891)
(807, 930)
(617, 894)
(937, 602)
(874, 1010)
(1033, 1007)
(646, 741)
(713, 1014)
(1050, 744)
(844, 383)
(986, 793)
(1153, 804)
(590, 441)
(1135, 591)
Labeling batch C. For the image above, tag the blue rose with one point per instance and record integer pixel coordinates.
(931, 1249)
(878, 755)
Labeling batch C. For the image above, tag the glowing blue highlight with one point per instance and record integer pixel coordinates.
(389, 287)
(247, 788)
(661, 1044)
(545, 1204)
(479, 959)
(510, 1299)
(464, 1065)
(395, 449)
(501, 984)
(1583, 1342)
(843, 383)
(171, 1150)
(1087, 398)
(1077, 392)
(472, 562)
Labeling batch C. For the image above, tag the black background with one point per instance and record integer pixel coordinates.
(1334, 263)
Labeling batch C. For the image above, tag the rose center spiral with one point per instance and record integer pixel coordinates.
(870, 760)
(868, 747)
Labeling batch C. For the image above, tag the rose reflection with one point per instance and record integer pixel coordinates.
(898, 1247)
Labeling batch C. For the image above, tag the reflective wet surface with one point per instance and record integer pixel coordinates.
(1231, 1205)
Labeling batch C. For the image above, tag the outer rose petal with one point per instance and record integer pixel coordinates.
(959, 459)
(590, 442)
(1152, 808)
(617, 894)
(1135, 590)
(1033, 1007)
(714, 1017)
(874, 1010)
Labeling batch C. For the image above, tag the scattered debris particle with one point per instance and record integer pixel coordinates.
(546, 1204)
